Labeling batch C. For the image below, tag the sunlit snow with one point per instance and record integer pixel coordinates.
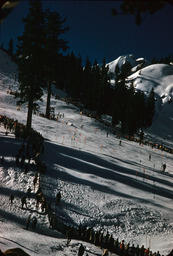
(103, 185)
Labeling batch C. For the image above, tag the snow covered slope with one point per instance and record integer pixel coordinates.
(159, 77)
(104, 185)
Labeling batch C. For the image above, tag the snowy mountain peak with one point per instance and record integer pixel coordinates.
(136, 64)
(121, 61)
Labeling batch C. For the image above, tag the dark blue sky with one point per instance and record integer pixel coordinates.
(95, 33)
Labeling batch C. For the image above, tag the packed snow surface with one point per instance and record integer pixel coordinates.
(103, 185)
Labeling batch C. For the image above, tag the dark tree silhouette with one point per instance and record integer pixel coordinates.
(30, 58)
(139, 8)
(54, 27)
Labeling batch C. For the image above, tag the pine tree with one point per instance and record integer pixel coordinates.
(104, 85)
(53, 44)
(87, 81)
(125, 70)
(74, 75)
(96, 77)
(10, 48)
(30, 58)
(117, 73)
(150, 108)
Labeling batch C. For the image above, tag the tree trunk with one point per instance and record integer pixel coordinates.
(29, 116)
(48, 100)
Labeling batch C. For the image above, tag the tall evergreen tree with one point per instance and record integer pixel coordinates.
(30, 58)
(74, 75)
(87, 83)
(10, 47)
(104, 85)
(117, 73)
(96, 77)
(125, 70)
(54, 27)
(150, 108)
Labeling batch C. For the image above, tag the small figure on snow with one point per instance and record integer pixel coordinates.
(81, 250)
(105, 252)
(23, 200)
(149, 158)
(34, 222)
(58, 197)
(29, 191)
(164, 167)
(28, 221)
(11, 198)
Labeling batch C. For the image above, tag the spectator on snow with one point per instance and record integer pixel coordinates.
(58, 197)
(35, 181)
(158, 254)
(52, 221)
(105, 252)
(29, 191)
(142, 250)
(146, 252)
(34, 222)
(81, 250)
(164, 167)
(28, 221)
(68, 236)
(22, 160)
(11, 198)
(122, 247)
(17, 159)
(23, 201)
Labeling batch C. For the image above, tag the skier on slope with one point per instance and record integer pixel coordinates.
(164, 167)
(149, 158)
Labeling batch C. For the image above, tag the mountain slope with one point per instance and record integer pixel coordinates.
(159, 77)
(103, 185)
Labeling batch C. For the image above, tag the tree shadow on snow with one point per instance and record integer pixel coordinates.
(84, 162)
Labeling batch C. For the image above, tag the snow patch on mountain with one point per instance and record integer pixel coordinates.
(136, 64)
